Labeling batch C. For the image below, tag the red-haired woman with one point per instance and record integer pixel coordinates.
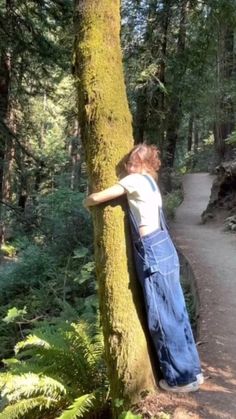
(157, 267)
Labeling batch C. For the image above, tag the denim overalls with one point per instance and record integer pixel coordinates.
(157, 267)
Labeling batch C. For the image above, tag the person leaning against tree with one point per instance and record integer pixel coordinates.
(157, 267)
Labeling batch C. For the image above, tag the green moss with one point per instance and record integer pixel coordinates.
(103, 103)
(107, 136)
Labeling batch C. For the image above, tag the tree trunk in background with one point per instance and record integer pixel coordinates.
(7, 185)
(165, 21)
(107, 136)
(5, 66)
(190, 132)
(175, 114)
(6, 115)
(196, 133)
(224, 112)
(5, 143)
(140, 122)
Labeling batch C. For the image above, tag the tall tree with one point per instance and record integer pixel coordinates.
(174, 113)
(225, 17)
(107, 136)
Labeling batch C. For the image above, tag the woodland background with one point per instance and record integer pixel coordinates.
(179, 60)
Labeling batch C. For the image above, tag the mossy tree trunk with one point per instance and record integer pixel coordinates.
(107, 136)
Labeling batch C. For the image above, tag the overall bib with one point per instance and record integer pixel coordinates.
(157, 267)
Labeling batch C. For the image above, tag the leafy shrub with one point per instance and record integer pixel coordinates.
(53, 268)
(38, 283)
(64, 221)
(33, 267)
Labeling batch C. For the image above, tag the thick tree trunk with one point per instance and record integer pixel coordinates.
(107, 136)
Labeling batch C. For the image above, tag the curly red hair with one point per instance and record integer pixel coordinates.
(147, 156)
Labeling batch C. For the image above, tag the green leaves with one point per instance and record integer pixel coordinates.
(14, 314)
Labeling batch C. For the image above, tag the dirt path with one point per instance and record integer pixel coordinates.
(212, 254)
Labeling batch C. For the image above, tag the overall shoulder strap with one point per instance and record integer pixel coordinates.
(151, 182)
(155, 187)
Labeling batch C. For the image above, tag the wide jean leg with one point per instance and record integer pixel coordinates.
(157, 267)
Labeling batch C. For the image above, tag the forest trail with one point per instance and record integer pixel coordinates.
(212, 255)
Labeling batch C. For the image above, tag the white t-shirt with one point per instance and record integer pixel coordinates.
(143, 200)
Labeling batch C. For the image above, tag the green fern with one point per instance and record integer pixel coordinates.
(23, 407)
(80, 406)
(58, 366)
(31, 340)
(17, 387)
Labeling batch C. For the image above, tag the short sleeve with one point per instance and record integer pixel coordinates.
(130, 183)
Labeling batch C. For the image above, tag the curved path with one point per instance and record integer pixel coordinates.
(212, 255)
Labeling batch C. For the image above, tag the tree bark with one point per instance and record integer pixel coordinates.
(106, 132)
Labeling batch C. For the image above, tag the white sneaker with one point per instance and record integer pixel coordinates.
(179, 389)
(200, 378)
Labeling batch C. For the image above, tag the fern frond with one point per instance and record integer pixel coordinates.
(31, 340)
(80, 406)
(16, 387)
(23, 407)
(56, 363)
(10, 362)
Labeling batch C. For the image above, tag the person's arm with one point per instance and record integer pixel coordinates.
(105, 195)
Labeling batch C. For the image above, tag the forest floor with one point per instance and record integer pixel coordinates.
(212, 254)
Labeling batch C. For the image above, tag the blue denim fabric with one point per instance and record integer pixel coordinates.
(157, 267)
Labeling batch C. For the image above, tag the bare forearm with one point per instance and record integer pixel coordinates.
(92, 200)
(105, 195)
